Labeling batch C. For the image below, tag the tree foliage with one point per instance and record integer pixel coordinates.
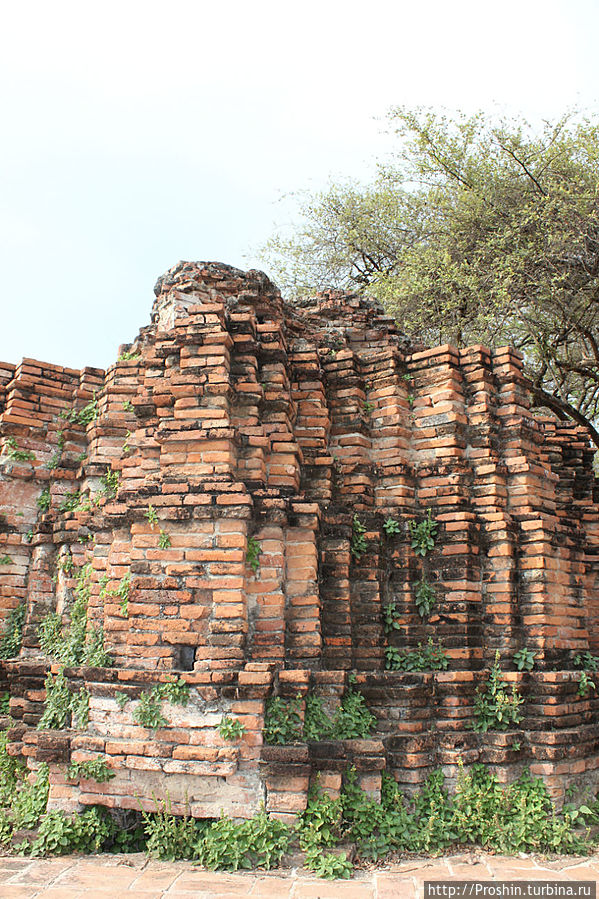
(475, 231)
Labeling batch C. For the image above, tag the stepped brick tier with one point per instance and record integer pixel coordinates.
(238, 419)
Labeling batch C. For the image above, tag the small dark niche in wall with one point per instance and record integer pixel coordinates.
(185, 657)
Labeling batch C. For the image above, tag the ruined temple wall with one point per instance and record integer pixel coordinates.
(248, 419)
(235, 418)
(36, 395)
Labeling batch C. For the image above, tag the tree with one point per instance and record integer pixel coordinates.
(475, 231)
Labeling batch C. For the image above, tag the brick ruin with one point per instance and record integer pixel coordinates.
(235, 416)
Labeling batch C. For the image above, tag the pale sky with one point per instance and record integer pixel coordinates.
(135, 134)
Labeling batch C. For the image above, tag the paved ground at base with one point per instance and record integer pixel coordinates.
(136, 877)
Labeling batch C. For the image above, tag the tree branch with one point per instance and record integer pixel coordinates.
(523, 166)
(562, 409)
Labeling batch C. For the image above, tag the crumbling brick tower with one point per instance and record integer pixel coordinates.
(236, 421)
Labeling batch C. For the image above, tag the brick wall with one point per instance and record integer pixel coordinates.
(236, 417)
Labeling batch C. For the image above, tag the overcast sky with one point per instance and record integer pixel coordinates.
(135, 134)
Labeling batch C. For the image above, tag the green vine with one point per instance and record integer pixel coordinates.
(70, 501)
(94, 769)
(76, 644)
(57, 705)
(253, 553)
(148, 713)
(283, 720)
(15, 454)
(12, 634)
(85, 415)
(110, 483)
(61, 706)
(43, 500)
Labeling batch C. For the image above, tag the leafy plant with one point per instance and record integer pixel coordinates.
(282, 721)
(494, 707)
(253, 553)
(587, 661)
(148, 713)
(318, 725)
(367, 407)
(152, 516)
(15, 454)
(122, 592)
(164, 541)
(57, 705)
(330, 865)
(585, 685)
(56, 456)
(168, 837)
(391, 527)
(70, 501)
(4, 702)
(88, 832)
(43, 500)
(65, 563)
(110, 483)
(524, 659)
(423, 534)
(231, 728)
(80, 708)
(353, 719)
(427, 658)
(174, 691)
(358, 543)
(424, 597)
(94, 653)
(86, 414)
(320, 825)
(94, 769)
(30, 800)
(258, 842)
(50, 635)
(128, 406)
(122, 699)
(390, 620)
(67, 645)
(127, 355)
(6, 560)
(11, 772)
(75, 644)
(12, 634)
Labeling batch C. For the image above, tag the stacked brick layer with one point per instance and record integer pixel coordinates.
(235, 419)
